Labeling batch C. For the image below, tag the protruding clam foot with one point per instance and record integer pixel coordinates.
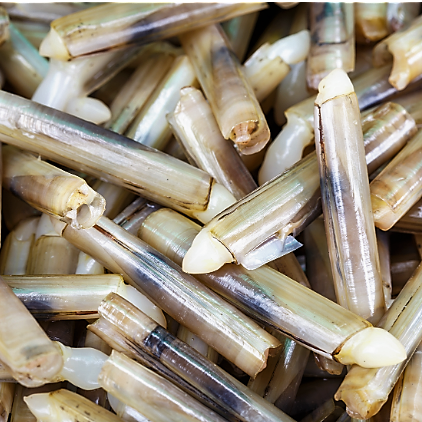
(53, 46)
(205, 255)
(336, 83)
(372, 348)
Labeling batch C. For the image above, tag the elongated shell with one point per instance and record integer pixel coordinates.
(386, 130)
(68, 83)
(399, 186)
(107, 155)
(203, 312)
(366, 390)
(406, 404)
(404, 47)
(370, 22)
(150, 126)
(30, 355)
(50, 189)
(119, 342)
(150, 394)
(63, 405)
(333, 40)
(113, 25)
(63, 297)
(346, 198)
(265, 294)
(227, 89)
(195, 127)
(132, 96)
(236, 400)
(246, 225)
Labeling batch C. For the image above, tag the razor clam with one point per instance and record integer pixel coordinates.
(104, 154)
(406, 404)
(333, 40)
(75, 296)
(150, 126)
(287, 211)
(239, 32)
(20, 411)
(288, 203)
(269, 65)
(371, 87)
(194, 126)
(21, 63)
(149, 393)
(386, 130)
(346, 197)
(50, 189)
(172, 235)
(7, 391)
(118, 342)
(237, 401)
(267, 295)
(68, 83)
(403, 48)
(63, 405)
(30, 356)
(52, 254)
(203, 312)
(231, 97)
(156, 62)
(370, 22)
(15, 251)
(109, 26)
(365, 390)
(399, 186)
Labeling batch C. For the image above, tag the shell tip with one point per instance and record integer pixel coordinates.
(372, 348)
